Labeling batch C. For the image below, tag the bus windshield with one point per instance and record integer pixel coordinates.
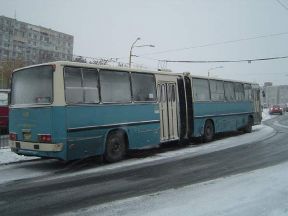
(32, 86)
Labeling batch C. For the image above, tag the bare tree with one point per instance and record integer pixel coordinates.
(6, 69)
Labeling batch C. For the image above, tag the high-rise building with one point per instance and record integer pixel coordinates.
(32, 44)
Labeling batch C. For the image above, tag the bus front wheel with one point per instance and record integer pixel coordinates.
(209, 131)
(115, 147)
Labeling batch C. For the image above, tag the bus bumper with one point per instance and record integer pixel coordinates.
(42, 147)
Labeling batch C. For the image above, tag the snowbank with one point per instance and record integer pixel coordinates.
(6, 156)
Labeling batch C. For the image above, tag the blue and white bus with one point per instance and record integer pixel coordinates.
(70, 110)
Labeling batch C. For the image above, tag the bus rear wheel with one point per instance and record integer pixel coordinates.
(115, 147)
(208, 131)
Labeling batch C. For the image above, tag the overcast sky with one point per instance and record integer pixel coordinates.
(107, 28)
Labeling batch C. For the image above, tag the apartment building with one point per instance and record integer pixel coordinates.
(31, 43)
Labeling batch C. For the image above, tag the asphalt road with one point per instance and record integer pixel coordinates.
(37, 196)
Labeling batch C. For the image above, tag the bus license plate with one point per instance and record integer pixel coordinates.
(27, 135)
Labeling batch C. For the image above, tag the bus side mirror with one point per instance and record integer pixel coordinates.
(263, 94)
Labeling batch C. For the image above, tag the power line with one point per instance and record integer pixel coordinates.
(226, 61)
(283, 5)
(215, 44)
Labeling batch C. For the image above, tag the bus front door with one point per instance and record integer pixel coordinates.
(168, 111)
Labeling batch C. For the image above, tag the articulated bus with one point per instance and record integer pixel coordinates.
(70, 110)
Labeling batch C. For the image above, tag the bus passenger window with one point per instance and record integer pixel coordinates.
(239, 91)
(217, 90)
(73, 85)
(229, 91)
(248, 91)
(201, 89)
(143, 87)
(115, 86)
(90, 84)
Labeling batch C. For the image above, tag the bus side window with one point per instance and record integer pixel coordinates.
(239, 91)
(143, 87)
(115, 86)
(201, 89)
(229, 91)
(73, 85)
(90, 85)
(217, 90)
(248, 92)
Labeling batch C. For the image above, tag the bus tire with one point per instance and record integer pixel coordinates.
(115, 148)
(209, 131)
(248, 127)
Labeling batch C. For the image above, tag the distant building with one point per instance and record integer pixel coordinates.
(266, 84)
(276, 95)
(32, 44)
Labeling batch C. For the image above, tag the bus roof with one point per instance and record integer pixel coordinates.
(91, 65)
(219, 79)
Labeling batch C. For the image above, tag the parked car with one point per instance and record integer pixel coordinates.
(275, 109)
(4, 111)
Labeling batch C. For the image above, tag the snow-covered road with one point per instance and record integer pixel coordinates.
(261, 192)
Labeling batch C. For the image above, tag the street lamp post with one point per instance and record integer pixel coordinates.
(213, 69)
(133, 45)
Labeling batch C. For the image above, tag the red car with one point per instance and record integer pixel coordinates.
(275, 109)
(4, 111)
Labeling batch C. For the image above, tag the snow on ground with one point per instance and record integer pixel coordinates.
(6, 156)
(265, 115)
(261, 192)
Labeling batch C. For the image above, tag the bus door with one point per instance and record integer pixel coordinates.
(168, 111)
